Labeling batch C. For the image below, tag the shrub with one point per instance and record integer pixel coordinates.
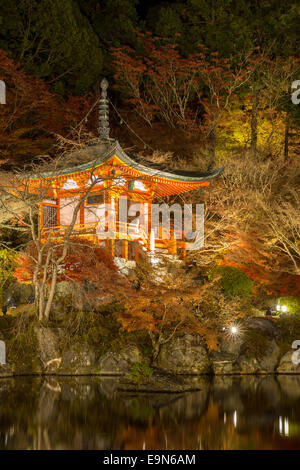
(233, 280)
(140, 372)
(292, 303)
(22, 344)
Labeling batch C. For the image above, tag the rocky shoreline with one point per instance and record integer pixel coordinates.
(179, 361)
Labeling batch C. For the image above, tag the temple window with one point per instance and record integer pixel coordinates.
(95, 199)
(49, 216)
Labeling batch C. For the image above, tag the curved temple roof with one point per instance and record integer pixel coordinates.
(104, 152)
(166, 181)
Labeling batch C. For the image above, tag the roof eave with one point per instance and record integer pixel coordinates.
(117, 150)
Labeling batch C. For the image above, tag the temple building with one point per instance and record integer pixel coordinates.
(107, 195)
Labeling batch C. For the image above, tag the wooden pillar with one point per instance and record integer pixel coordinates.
(117, 214)
(172, 246)
(41, 217)
(160, 230)
(58, 211)
(113, 247)
(81, 214)
(149, 227)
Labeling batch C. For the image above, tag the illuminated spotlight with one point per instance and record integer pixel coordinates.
(235, 330)
(278, 308)
(286, 426)
(284, 308)
(280, 424)
(235, 419)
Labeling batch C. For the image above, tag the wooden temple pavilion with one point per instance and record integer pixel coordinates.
(106, 174)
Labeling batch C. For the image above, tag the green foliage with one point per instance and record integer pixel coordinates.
(22, 344)
(165, 21)
(6, 324)
(54, 40)
(19, 292)
(90, 327)
(7, 267)
(233, 280)
(292, 303)
(114, 22)
(100, 330)
(140, 372)
(65, 41)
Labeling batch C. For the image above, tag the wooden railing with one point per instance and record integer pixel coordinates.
(78, 229)
(119, 231)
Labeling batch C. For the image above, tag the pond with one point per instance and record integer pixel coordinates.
(89, 413)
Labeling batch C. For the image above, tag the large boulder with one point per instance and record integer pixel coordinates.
(265, 325)
(80, 359)
(255, 351)
(185, 355)
(224, 359)
(5, 370)
(50, 356)
(289, 363)
(113, 363)
(257, 363)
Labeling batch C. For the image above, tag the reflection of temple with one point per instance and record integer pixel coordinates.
(109, 175)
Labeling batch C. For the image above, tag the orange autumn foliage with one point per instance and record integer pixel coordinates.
(251, 255)
(167, 311)
(84, 262)
(33, 114)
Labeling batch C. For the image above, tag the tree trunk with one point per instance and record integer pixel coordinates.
(41, 303)
(254, 113)
(51, 293)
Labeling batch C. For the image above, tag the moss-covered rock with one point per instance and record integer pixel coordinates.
(289, 364)
(79, 359)
(185, 355)
(113, 363)
(255, 351)
(158, 383)
(48, 348)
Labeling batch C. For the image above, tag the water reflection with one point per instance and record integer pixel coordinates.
(88, 413)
